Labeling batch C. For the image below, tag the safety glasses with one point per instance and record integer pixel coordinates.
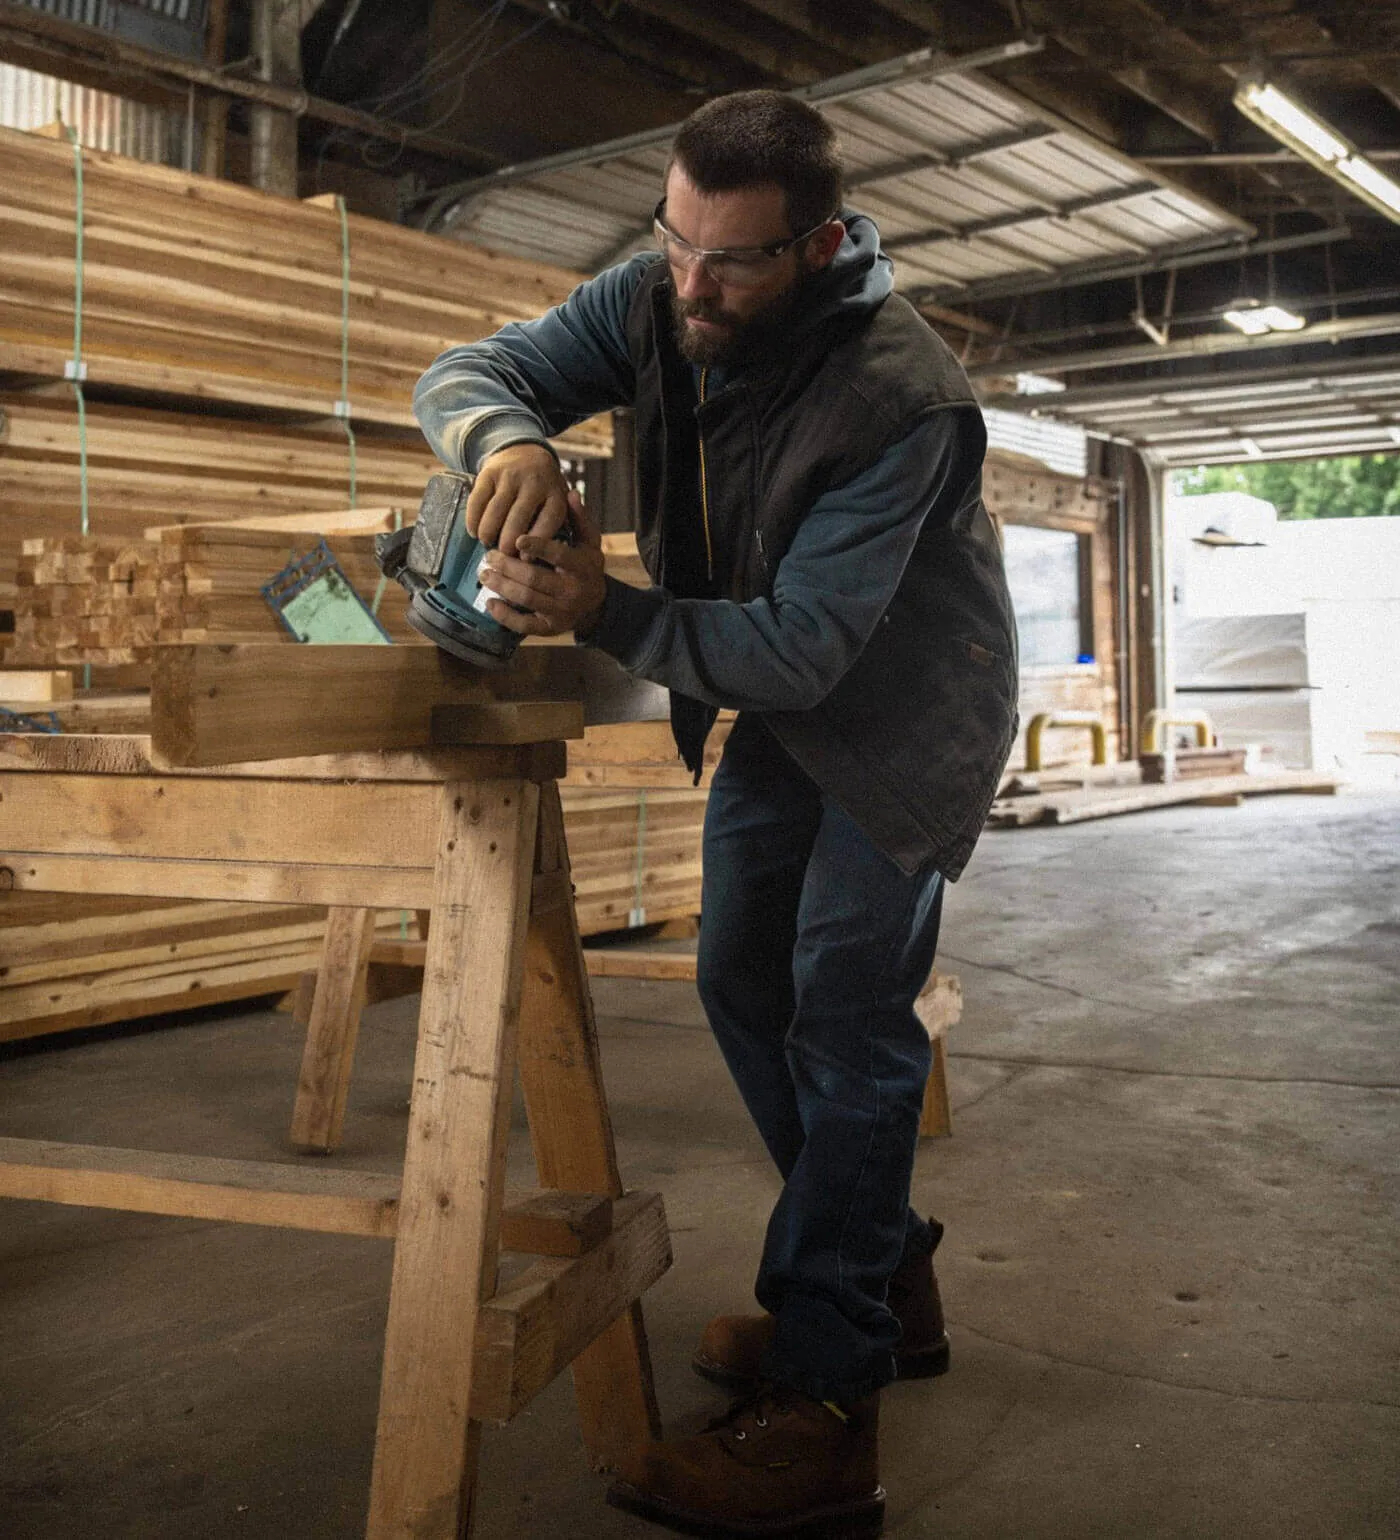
(735, 265)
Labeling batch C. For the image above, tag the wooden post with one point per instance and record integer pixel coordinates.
(336, 1008)
(571, 1133)
(276, 40)
(445, 1257)
(215, 107)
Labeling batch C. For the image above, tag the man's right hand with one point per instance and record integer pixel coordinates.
(519, 490)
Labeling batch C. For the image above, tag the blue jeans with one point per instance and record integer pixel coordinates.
(813, 947)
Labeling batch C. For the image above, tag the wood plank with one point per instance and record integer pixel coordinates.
(386, 887)
(617, 962)
(131, 754)
(545, 1318)
(445, 1259)
(213, 705)
(221, 819)
(1111, 802)
(22, 686)
(300, 1197)
(329, 1056)
(600, 962)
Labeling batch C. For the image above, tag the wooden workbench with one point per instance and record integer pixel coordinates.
(475, 835)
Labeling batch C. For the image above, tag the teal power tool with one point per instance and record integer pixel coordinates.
(438, 562)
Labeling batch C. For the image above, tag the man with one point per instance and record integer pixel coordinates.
(808, 458)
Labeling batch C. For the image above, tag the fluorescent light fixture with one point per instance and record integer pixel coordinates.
(1272, 110)
(1254, 319)
(1308, 136)
(1359, 170)
(1028, 384)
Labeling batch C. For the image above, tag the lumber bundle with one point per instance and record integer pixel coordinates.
(69, 961)
(98, 601)
(635, 855)
(148, 468)
(199, 287)
(104, 601)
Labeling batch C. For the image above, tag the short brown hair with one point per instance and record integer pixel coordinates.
(759, 138)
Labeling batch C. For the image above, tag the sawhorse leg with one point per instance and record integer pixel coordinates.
(454, 1166)
(516, 941)
(571, 1134)
(329, 1055)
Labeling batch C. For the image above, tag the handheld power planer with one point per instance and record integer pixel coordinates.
(438, 562)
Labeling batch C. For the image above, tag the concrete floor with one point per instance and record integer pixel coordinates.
(1170, 1266)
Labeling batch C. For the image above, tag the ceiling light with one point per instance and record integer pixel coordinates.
(1254, 319)
(1357, 169)
(1308, 136)
(1273, 111)
(1028, 384)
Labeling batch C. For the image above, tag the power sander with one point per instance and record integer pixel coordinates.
(439, 563)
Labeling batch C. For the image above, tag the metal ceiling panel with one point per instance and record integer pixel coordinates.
(968, 181)
(1342, 411)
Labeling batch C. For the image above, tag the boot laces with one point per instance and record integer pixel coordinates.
(759, 1405)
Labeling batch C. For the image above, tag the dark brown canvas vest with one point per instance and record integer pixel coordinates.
(913, 739)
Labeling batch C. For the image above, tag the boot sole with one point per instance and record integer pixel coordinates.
(923, 1364)
(863, 1520)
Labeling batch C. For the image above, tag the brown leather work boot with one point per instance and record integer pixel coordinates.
(776, 1466)
(732, 1347)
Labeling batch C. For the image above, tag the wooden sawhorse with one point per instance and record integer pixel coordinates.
(475, 836)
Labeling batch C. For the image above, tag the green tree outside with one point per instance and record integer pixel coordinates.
(1358, 486)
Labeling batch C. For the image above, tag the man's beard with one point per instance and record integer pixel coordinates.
(744, 337)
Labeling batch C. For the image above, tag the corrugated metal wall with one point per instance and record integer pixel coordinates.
(173, 26)
(100, 120)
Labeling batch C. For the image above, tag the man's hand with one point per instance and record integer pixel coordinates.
(562, 586)
(519, 490)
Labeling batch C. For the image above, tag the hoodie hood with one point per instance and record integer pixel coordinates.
(858, 278)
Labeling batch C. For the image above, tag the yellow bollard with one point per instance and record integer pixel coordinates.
(1065, 719)
(1157, 720)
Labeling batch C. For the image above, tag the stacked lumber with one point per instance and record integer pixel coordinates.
(106, 602)
(98, 601)
(635, 855)
(210, 580)
(70, 961)
(199, 287)
(84, 601)
(148, 468)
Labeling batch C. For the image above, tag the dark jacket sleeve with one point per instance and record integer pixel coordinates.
(533, 379)
(787, 652)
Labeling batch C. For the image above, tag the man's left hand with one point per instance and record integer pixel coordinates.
(561, 586)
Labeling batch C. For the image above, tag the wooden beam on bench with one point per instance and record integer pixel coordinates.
(214, 705)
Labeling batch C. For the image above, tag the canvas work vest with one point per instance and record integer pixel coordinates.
(913, 739)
